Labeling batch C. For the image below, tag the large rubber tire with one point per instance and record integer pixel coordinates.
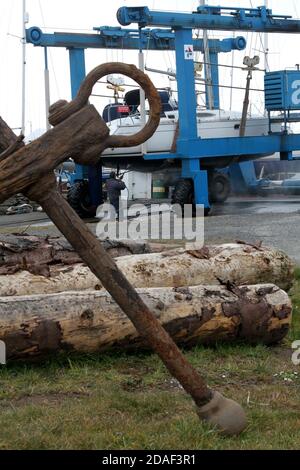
(184, 194)
(218, 187)
(79, 199)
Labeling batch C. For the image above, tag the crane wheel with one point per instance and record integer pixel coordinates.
(184, 194)
(79, 199)
(218, 186)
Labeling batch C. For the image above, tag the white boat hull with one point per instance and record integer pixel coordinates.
(162, 140)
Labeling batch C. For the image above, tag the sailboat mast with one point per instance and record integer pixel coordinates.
(24, 21)
(266, 44)
(207, 68)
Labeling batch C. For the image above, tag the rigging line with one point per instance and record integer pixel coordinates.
(50, 53)
(262, 43)
(239, 88)
(231, 77)
(6, 53)
(229, 66)
(295, 8)
(147, 50)
(10, 15)
(101, 96)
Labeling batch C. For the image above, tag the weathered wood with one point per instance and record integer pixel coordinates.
(69, 139)
(213, 264)
(92, 321)
(46, 256)
(7, 136)
(12, 148)
(54, 271)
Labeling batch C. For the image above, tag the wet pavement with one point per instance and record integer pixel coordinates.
(255, 205)
(274, 220)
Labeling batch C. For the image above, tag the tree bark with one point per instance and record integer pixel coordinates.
(43, 255)
(232, 263)
(51, 268)
(93, 322)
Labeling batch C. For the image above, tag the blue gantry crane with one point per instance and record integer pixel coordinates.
(86, 182)
(282, 90)
(281, 93)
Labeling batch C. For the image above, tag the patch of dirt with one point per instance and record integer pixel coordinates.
(138, 371)
(41, 399)
(133, 384)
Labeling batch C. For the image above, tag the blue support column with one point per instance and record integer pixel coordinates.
(191, 169)
(213, 59)
(77, 68)
(186, 84)
(94, 174)
(77, 74)
(187, 104)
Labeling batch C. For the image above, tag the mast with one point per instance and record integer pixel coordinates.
(231, 78)
(47, 88)
(24, 21)
(207, 68)
(141, 60)
(266, 44)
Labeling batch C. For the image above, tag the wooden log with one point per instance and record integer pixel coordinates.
(236, 264)
(93, 322)
(38, 254)
(233, 263)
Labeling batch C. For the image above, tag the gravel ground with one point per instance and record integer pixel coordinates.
(274, 221)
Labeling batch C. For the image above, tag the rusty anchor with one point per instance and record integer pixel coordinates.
(80, 133)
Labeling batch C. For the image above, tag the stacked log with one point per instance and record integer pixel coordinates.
(37, 255)
(53, 267)
(92, 321)
(50, 301)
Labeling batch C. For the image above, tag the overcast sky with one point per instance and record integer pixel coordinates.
(76, 15)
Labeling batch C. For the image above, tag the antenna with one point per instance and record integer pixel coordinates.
(24, 22)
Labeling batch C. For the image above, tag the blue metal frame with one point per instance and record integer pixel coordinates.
(129, 39)
(138, 39)
(212, 18)
(190, 148)
(214, 64)
(77, 74)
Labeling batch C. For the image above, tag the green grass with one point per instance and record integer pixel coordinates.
(126, 401)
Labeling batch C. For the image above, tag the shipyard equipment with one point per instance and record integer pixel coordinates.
(194, 154)
(85, 192)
